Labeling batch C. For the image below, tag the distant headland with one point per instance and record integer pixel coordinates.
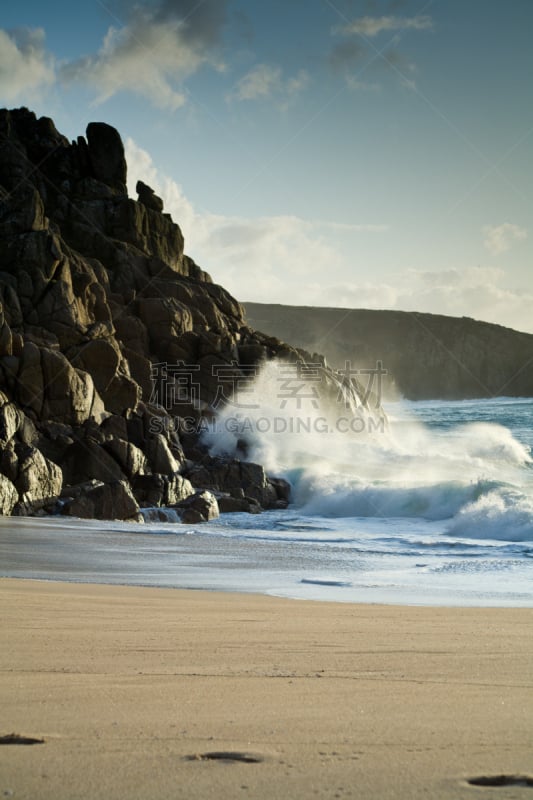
(427, 356)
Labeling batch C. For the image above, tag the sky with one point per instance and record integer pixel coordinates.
(352, 153)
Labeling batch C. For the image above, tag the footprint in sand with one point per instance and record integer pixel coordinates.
(227, 756)
(16, 738)
(501, 780)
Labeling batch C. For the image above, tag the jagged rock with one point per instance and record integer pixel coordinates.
(131, 331)
(69, 393)
(160, 456)
(141, 371)
(54, 390)
(8, 496)
(38, 481)
(106, 155)
(147, 197)
(86, 459)
(150, 490)
(10, 420)
(164, 318)
(27, 432)
(101, 359)
(53, 439)
(199, 507)
(30, 379)
(122, 394)
(228, 504)
(6, 338)
(103, 501)
(178, 490)
(192, 270)
(283, 491)
(9, 461)
(239, 479)
(161, 490)
(21, 211)
(96, 297)
(149, 421)
(131, 459)
(114, 426)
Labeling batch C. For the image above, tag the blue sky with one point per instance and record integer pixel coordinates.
(358, 153)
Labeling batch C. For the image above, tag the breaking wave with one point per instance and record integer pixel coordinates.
(476, 476)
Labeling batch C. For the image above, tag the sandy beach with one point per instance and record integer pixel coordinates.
(138, 692)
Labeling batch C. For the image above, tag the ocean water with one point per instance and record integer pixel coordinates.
(434, 507)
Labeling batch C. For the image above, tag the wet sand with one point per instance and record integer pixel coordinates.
(160, 693)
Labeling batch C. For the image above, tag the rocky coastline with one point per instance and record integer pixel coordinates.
(101, 311)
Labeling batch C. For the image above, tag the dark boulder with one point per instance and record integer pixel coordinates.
(106, 155)
(103, 501)
(147, 197)
(199, 507)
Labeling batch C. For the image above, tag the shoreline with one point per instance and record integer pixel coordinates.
(207, 559)
(380, 603)
(132, 688)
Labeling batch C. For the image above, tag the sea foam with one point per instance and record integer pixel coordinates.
(477, 474)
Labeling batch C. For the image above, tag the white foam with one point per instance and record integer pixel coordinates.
(399, 469)
(503, 514)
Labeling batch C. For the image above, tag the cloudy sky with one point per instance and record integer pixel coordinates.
(354, 153)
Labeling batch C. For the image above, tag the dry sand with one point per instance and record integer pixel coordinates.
(129, 688)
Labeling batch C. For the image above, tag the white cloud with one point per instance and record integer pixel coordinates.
(144, 66)
(286, 259)
(499, 238)
(372, 26)
(159, 48)
(262, 81)
(475, 292)
(267, 80)
(347, 52)
(352, 227)
(25, 65)
(266, 257)
(352, 294)
(298, 82)
(478, 292)
(456, 279)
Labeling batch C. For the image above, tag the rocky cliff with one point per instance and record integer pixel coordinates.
(426, 356)
(113, 342)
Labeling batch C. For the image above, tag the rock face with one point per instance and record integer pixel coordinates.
(106, 155)
(111, 338)
(426, 356)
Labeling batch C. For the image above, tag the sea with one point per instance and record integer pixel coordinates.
(432, 506)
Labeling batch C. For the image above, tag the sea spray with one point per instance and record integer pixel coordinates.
(287, 417)
(349, 462)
